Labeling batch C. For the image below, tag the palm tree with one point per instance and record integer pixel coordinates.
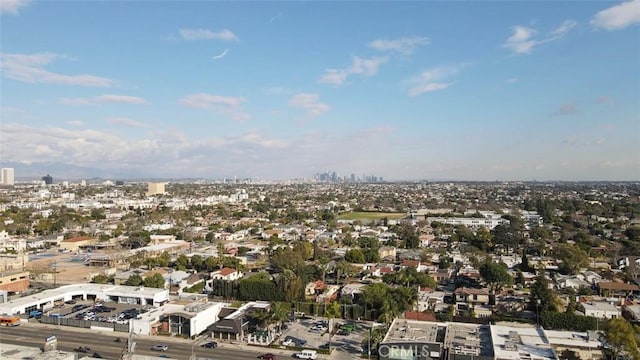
(332, 311)
(279, 313)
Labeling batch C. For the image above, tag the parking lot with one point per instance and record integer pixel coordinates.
(108, 312)
(313, 333)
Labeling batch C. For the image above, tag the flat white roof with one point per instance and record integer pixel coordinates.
(521, 343)
(571, 338)
(67, 291)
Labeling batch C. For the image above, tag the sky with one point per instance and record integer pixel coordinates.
(420, 90)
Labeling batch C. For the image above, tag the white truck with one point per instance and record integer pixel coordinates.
(307, 354)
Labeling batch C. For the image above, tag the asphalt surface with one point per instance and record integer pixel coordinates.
(104, 344)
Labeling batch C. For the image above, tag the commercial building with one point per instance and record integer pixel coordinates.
(118, 293)
(410, 339)
(48, 180)
(510, 343)
(15, 281)
(7, 177)
(234, 323)
(76, 243)
(155, 189)
(188, 319)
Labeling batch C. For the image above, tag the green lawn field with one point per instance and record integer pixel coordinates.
(370, 216)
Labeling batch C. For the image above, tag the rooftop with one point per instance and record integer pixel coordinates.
(403, 330)
(527, 343)
(468, 339)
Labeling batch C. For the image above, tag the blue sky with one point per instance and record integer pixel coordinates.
(480, 90)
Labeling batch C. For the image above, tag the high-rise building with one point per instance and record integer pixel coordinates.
(48, 180)
(7, 177)
(155, 188)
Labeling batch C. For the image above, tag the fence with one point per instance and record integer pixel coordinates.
(54, 320)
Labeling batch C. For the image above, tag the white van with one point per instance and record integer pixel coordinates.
(307, 354)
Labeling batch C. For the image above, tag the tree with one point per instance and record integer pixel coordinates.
(134, 280)
(621, 339)
(181, 262)
(279, 313)
(291, 285)
(506, 236)
(344, 269)
(572, 258)
(100, 279)
(495, 274)
(542, 298)
(154, 281)
(354, 256)
(197, 262)
(332, 311)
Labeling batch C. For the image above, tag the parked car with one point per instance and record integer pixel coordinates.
(159, 347)
(267, 356)
(70, 302)
(210, 345)
(288, 342)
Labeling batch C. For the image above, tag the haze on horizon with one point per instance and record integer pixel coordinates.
(281, 90)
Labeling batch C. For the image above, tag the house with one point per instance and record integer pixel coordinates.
(329, 294)
(387, 252)
(429, 299)
(471, 297)
(314, 288)
(352, 290)
(601, 310)
(420, 267)
(611, 288)
(441, 277)
(227, 274)
(572, 282)
(381, 270)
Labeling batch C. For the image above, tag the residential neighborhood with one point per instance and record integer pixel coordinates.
(344, 269)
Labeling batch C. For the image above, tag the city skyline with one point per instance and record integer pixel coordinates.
(282, 90)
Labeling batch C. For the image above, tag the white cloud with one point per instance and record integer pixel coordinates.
(523, 39)
(427, 87)
(126, 122)
(512, 80)
(405, 45)
(102, 99)
(604, 99)
(564, 28)
(206, 34)
(359, 66)
(30, 69)
(12, 6)
(309, 102)
(227, 105)
(618, 16)
(75, 122)
(432, 79)
(221, 55)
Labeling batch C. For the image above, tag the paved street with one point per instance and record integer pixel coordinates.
(33, 334)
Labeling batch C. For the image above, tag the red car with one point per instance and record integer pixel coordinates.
(267, 356)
